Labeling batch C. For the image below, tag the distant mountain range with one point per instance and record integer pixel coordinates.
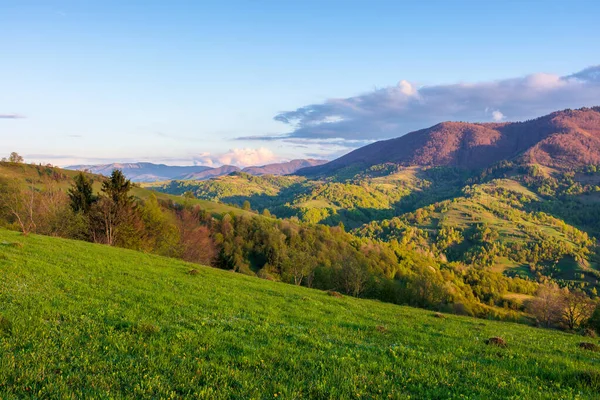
(562, 140)
(149, 172)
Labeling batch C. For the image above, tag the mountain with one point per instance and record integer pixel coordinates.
(563, 140)
(285, 168)
(142, 171)
(149, 172)
(208, 173)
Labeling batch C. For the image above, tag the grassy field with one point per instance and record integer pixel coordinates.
(79, 320)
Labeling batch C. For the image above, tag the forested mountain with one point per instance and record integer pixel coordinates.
(564, 139)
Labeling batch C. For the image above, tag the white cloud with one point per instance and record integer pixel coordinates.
(238, 157)
(497, 116)
(405, 107)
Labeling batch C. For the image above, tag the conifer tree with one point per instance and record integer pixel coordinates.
(81, 193)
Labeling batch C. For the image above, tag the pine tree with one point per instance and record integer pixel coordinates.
(115, 207)
(81, 193)
(117, 188)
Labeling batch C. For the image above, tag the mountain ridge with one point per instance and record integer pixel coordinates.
(150, 172)
(563, 139)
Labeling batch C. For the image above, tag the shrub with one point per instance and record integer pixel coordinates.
(588, 346)
(588, 332)
(496, 341)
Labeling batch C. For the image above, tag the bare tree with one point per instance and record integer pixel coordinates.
(20, 204)
(547, 306)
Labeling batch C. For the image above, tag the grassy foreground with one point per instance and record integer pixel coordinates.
(79, 320)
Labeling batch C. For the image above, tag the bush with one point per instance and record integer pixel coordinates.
(588, 346)
(496, 341)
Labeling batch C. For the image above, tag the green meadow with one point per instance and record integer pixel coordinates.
(79, 320)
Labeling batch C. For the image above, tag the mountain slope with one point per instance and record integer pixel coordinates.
(493, 225)
(208, 174)
(285, 168)
(563, 139)
(98, 322)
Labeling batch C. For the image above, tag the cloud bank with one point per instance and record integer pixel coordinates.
(396, 110)
(238, 157)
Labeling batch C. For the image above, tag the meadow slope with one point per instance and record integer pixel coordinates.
(79, 320)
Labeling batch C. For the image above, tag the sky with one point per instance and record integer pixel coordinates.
(254, 82)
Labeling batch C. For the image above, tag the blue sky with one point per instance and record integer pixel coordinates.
(250, 82)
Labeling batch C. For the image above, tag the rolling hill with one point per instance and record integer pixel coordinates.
(563, 139)
(79, 320)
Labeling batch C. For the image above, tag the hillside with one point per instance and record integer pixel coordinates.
(208, 173)
(563, 139)
(79, 320)
(285, 168)
(43, 177)
(493, 225)
(374, 195)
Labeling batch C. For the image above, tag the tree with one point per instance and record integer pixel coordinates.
(160, 235)
(19, 203)
(81, 193)
(196, 243)
(246, 206)
(117, 188)
(54, 215)
(547, 306)
(188, 198)
(578, 308)
(15, 158)
(113, 209)
(354, 275)
(297, 265)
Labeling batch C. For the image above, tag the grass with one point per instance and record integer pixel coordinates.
(87, 321)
